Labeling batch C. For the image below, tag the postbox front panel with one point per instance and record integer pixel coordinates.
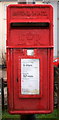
(29, 59)
(24, 36)
(24, 22)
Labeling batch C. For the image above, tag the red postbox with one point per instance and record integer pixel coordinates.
(30, 58)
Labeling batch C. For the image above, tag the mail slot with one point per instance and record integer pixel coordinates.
(30, 58)
(28, 24)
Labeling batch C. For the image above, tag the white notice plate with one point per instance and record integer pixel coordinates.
(30, 76)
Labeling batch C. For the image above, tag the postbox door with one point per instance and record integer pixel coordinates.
(32, 92)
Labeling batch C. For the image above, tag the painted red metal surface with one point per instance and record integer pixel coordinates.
(30, 27)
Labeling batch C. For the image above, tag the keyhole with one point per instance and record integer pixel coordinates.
(17, 79)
